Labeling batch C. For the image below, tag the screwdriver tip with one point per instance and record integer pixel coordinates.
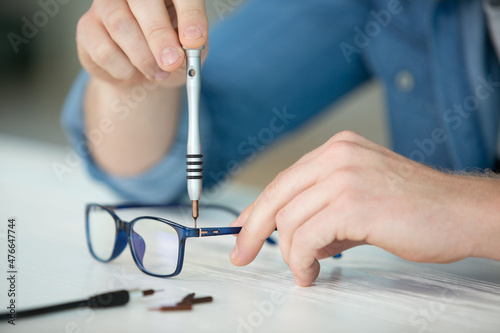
(195, 211)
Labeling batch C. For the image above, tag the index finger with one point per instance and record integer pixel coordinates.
(154, 20)
(250, 240)
(193, 22)
(259, 217)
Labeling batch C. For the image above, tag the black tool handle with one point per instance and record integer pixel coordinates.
(46, 309)
(106, 300)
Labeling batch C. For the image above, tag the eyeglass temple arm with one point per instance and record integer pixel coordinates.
(203, 232)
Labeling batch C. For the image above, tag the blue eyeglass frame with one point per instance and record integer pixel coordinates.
(124, 232)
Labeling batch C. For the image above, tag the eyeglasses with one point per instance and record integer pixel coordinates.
(157, 244)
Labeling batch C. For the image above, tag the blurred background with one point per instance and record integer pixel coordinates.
(38, 65)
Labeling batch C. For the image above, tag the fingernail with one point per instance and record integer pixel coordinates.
(161, 75)
(169, 56)
(193, 32)
(234, 253)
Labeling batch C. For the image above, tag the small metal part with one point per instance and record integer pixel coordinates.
(199, 300)
(173, 308)
(185, 304)
(136, 293)
(150, 292)
(187, 300)
(195, 211)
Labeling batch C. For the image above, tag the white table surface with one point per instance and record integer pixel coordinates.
(367, 290)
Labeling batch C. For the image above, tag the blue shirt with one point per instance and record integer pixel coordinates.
(275, 64)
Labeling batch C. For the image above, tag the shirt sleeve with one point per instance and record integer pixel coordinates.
(272, 66)
(164, 182)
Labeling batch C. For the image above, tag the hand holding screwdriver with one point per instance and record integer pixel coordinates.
(128, 44)
(124, 42)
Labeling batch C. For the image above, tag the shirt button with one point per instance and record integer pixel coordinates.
(404, 80)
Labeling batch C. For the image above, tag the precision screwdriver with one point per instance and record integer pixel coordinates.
(106, 300)
(194, 156)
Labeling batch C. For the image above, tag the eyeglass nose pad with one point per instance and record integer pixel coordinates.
(120, 244)
(139, 245)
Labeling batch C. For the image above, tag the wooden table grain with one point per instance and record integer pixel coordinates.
(368, 290)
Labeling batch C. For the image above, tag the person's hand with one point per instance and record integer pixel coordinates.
(351, 191)
(127, 42)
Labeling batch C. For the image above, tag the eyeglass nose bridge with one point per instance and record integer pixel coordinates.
(123, 225)
(121, 241)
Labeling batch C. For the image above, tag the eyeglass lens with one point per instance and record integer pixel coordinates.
(101, 232)
(155, 245)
